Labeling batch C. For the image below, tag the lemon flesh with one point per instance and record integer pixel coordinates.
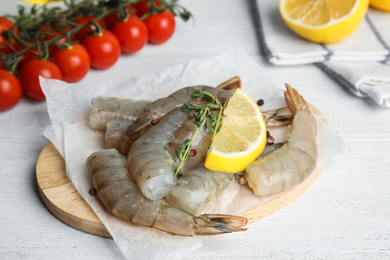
(323, 21)
(383, 5)
(242, 136)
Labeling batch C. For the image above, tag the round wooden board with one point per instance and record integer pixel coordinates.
(61, 198)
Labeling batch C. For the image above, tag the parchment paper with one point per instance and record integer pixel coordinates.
(68, 107)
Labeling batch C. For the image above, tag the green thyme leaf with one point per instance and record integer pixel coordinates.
(213, 105)
(209, 125)
(197, 93)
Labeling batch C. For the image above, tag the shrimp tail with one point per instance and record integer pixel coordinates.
(295, 101)
(212, 224)
(231, 84)
(277, 117)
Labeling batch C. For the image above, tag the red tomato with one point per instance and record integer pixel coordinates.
(84, 32)
(11, 90)
(160, 26)
(2, 64)
(104, 49)
(29, 76)
(5, 25)
(132, 34)
(73, 62)
(143, 8)
(111, 20)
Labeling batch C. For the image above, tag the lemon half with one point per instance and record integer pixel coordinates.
(323, 21)
(383, 5)
(242, 136)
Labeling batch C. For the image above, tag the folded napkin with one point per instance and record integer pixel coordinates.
(370, 79)
(360, 62)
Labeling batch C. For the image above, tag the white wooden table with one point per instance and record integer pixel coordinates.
(344, 215)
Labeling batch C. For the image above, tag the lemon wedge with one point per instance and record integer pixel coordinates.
(39, 1)
(323, 21)
(242, 136)
(383, 5)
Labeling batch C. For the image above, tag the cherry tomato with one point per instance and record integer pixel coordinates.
(104, 50)
(73, 62)
(11, 90)
(5, 25)
(29, 76)
(84, 32)
(132, 34)
(2, 64)
(143, 7)
(161, 26)
(111, 20)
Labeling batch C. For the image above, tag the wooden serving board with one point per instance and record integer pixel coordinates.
(63, 200)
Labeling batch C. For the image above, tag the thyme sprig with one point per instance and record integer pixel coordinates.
(200, 120)
(213, 122)
(203, 117)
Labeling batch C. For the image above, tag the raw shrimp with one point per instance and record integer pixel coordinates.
(116, 135)
(107, 109)
(155, 111)
(122, 197)
(292, 163)
(148, 161)
(196, 188)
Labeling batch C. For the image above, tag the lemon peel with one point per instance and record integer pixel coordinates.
(383, 5)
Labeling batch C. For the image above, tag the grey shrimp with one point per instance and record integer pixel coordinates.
(148, 161)
(116, 135)
(196, 187)
(122, 197)
(106, 109)
(292, 163)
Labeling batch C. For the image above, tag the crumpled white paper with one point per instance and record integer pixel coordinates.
(68, 107)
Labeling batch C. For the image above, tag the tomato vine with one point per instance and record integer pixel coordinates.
(65, 42)
(62, 26)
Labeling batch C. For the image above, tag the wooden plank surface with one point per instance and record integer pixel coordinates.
(344, 215)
